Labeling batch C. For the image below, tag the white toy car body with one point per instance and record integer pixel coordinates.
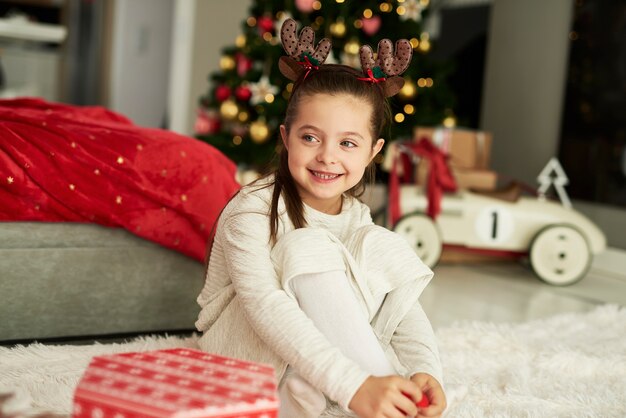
(559, 241)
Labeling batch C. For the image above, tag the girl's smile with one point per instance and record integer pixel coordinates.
(330, 144)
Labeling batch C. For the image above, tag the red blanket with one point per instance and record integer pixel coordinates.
(61, 163)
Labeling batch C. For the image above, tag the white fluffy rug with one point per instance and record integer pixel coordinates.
(571, 365)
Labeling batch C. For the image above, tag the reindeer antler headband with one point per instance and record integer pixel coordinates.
(303, 57)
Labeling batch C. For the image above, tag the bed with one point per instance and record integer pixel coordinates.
(103, 224)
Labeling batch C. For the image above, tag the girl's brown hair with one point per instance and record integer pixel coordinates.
(329, 79)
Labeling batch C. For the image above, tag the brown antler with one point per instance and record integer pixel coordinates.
(296, 46)
(390, 63)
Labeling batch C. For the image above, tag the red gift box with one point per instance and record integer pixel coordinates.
(181, 383)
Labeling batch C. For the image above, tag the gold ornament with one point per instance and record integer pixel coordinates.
(227, 63)
(229, 109)
(259, 131)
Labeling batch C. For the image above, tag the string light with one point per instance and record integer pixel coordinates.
(401, 10)
(414, 42)
(421, 82)
(385, 7)
(251, 21)
(351, 47)
(367, 13)
(449, 122)
(399, 117)
(243, 116)
(408, 89)
(429, 82)
(409, 109)
(237, 140)
(269, 98)
(240, 41)
(317, 5)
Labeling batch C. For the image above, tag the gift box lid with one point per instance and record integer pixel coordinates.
(174, 383)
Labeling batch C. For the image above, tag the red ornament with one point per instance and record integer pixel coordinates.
(207, 122)
(244, 64)
(265, 24)
(243, 93)
(222, 93)
(371, 25)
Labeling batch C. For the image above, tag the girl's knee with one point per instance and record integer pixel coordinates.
(305, 244)
(306, 251)
(374, 240)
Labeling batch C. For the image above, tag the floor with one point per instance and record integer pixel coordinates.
(508, 291)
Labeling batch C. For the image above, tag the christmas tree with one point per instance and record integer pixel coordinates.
(247, 97)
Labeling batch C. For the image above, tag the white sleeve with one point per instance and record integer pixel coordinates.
(415, 344)
(276, 317)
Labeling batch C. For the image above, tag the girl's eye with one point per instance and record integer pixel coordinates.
(348, 144)
(308, 138)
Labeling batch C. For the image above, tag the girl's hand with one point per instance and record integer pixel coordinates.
(431, 388)
(386, 397)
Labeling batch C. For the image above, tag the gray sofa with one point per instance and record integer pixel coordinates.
(71, 280)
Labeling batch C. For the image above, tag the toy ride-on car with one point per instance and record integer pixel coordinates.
(559, 241)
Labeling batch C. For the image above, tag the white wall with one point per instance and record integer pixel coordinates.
(527, 58)
(140, 61)
(202, 28)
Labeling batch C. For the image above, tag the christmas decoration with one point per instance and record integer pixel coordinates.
(305, 6)
(412, 9)
(259, 132)
(222, 93)
(243, 93)
(554, 175)
(265, 24)
(207, 122)
(244, 64)
(258, 91)
(229, 109)
(261, 90)
(227, 63)
(370, 26)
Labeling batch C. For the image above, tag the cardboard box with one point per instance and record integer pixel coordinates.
(182, 383)
(465, 178)
(466, 148)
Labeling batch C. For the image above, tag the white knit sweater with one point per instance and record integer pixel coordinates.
(247, 314)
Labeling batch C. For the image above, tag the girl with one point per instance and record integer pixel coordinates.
(300, 278)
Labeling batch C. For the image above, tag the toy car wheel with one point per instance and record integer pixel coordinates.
(423, 235)
(560, 255)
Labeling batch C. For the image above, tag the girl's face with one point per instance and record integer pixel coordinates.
(330, 144)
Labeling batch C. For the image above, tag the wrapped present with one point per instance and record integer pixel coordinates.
(467, 149)
(475, 179)
(175, 383)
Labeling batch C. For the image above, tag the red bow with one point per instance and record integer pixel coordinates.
(440, 179)
(308, 66)
(370, 77)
